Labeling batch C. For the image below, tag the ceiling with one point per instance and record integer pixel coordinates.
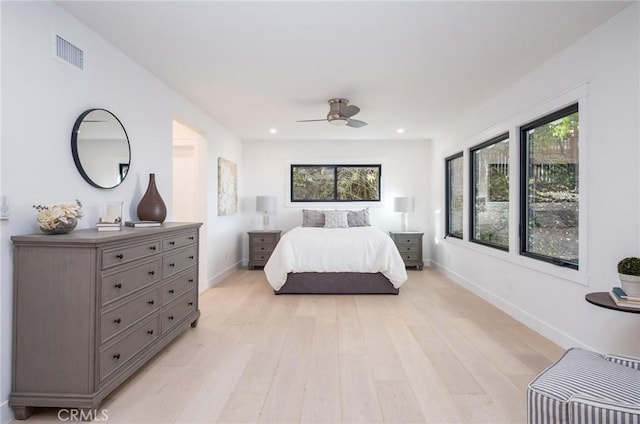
(417, 65)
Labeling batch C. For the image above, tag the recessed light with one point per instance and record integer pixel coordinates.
(400, 130)
(273, 130)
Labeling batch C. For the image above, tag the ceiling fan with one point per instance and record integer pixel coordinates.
(340, 113)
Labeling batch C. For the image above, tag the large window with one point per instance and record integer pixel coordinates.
(454, 195)
(549, 188)
(335, 183)
(489, 221)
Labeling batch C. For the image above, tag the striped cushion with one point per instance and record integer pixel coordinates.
(624, 360)
(584, 375)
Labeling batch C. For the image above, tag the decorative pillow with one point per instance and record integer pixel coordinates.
(359, 218)
(335, 219)
(312, 218)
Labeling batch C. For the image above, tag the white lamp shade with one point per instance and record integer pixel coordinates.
(404, 204)
(265, 203)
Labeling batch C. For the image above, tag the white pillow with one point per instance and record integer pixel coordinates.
(336, 219)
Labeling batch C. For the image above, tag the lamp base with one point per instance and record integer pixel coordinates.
(405, 221)
(266, 220)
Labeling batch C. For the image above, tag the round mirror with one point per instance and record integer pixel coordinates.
(100, 148)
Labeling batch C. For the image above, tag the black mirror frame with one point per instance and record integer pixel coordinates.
(74, 148)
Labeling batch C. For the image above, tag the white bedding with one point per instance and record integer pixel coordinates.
(354, 249)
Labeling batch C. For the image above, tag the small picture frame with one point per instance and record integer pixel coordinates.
(123, 168)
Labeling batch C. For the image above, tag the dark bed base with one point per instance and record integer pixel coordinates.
(337, 283)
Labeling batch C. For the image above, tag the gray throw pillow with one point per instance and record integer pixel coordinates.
(359, 218)
(312, 218)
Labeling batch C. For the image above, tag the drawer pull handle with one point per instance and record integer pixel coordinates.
(171, 291)
(118, 286)
(191, 280)
(152, 247)
(152, 272)
(151, 302)
(116, 356)
(150, 332)
(262, 240)
(262, 248)
(191, 257)
(190, 303)
(170, 317)
(172, 243)
(117, 321)
(120, 256)
(192, 238)
(172, 264)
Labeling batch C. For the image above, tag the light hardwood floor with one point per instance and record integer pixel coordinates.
(435, 353)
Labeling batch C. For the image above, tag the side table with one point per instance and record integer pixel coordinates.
(261, 245)
(409, 244)
(603, 299)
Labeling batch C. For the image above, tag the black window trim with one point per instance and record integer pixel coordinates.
(472, 189)
(561, 113)
(447, 189)
(335, 181)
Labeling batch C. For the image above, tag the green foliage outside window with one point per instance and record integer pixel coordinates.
(335, 183)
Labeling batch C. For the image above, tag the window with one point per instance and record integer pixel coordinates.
(549, 188)
(335, 183)
(454, 195)
(490, 193)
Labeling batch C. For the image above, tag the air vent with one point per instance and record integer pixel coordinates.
(69, 53)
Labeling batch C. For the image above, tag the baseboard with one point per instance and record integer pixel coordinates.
(535, 323)
(6, 414)
(221, 276)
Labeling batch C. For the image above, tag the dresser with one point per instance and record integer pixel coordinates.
(90, 308)
(261, 245)
(409, 244)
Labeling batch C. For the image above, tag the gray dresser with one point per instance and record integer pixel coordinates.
(90, 308)
(261, 245)
(409, 244)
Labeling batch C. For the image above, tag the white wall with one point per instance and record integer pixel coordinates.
(41, 99)
(404, 173)
(601, 71)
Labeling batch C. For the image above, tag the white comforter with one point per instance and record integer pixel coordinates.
(354, 249)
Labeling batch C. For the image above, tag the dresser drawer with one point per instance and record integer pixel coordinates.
(409, 248)
(178, 286)
(262, 248)
(410, 257)
(116, 355)
(182, 307)
(179, 261)
(121, 255)
(119, 284)
(115, 320)
(264, 239)
(180, 240)
(405, 239)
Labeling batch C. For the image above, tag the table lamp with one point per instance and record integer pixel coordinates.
(266, 205)
(404, 205)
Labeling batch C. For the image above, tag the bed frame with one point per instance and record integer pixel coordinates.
(337, 283)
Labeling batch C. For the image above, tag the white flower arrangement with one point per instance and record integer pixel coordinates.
(51, 217)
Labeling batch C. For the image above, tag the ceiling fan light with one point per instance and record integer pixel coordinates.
(338, 122)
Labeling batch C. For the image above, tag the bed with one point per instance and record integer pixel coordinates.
(320, 260)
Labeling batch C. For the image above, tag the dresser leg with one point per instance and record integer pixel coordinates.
(194, 324)
(22, 412)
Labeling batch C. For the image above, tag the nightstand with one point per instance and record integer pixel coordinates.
(261, 245)
(409, 244)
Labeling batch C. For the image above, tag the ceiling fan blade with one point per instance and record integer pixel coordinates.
(350, 110)
(313, 120)
(354, 123)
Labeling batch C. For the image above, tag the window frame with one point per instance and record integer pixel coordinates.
(524, 187)
(335, 167)
(447, 222)
(472, 191)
